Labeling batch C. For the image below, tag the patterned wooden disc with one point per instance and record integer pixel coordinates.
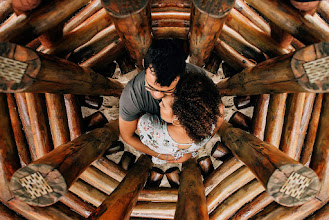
(38, 184)
(293, 184)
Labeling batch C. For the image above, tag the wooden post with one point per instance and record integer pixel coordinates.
(22, 146)
(37, 72)
(120, 203)
(275, 119)
(309, 29)
(258, 122)
(133, 22)
(240, 120)
(9, 162)
(207, 20)
(274, 169)
(213, 63)
(39, 124)
(191, 202)
(172, 175)
(74, 115)
(56, 171)
(312, 130)
(205, 166)
(219, 150)
(23, 29)
(155, 177)
(287, 73)
(57, 119)
(127, 160)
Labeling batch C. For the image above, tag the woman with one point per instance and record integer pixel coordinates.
(188, 120)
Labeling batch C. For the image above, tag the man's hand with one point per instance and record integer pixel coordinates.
(184, 158)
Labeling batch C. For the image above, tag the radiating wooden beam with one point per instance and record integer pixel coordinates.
(37, 72)
(307, 28)
(323, 10)
(5, 9)
(207, 20)
(55, 171)
(23, 29)
(77, 204)
(74, 116)
(291, 73)
(259, 116)
(120, 203)
(7, 214)
(191, 202)
(133, 22)
(272, 167)
(154, 210)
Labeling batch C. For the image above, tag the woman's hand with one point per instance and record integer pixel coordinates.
(166, 157)
(184, 158)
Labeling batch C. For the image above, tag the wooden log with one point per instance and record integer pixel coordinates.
(107, 55)
(219, 150)
(5, 9)
(127, 160)
(259, 115)
(154, 210)
(282, 37)
(132, 21)
(291, 128)
(227, 168)
(323, 10)
(25, 5)
(205, 166)
(273, 168)
(74, 115)
(232, 57)
(307, 111)
(170, 17)
(55, 170)
(22, 29)
(250, 209)
(253, 16)
(94, 102)
(81, 34)
(172, 175)
(56, 211)
(78, 205)
(125, 63)
(117, 146)
(160, 194)
(237, 42)
(213, 63)
(241, 102)
(25, 119)
(88, 193)
(155, 178)
(20, 140)
(39, 124)
(253, 34)
(228, 186)
(57, 119)
(50, 37)
(171, 32)
(9, 162)
(275, 119)
(321, 214)
(163, 4)
(99, 180)
(7, 214)
(312, 130)
(37, 72)
(110, 168)
(106, 70)
(232, 204)
(96, 44)
(191, 202)
(83, 15)
(207, 20)
(34, 44)
(292, 74)
(240, 120)
(308, 29)
(126, 194)
(228, 70)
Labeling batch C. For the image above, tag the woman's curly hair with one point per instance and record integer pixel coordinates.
(196, 104)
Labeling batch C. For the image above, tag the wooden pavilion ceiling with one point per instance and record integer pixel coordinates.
(70, 36)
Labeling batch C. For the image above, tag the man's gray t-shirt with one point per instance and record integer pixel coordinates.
(135, 99)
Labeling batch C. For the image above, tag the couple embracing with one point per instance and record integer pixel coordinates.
(175, 107)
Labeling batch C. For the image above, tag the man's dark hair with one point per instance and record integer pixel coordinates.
(196, 104)
(167, 59)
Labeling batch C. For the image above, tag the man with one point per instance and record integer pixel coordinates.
(163, 63)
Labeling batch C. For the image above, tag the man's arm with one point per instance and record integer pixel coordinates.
(127, 132)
